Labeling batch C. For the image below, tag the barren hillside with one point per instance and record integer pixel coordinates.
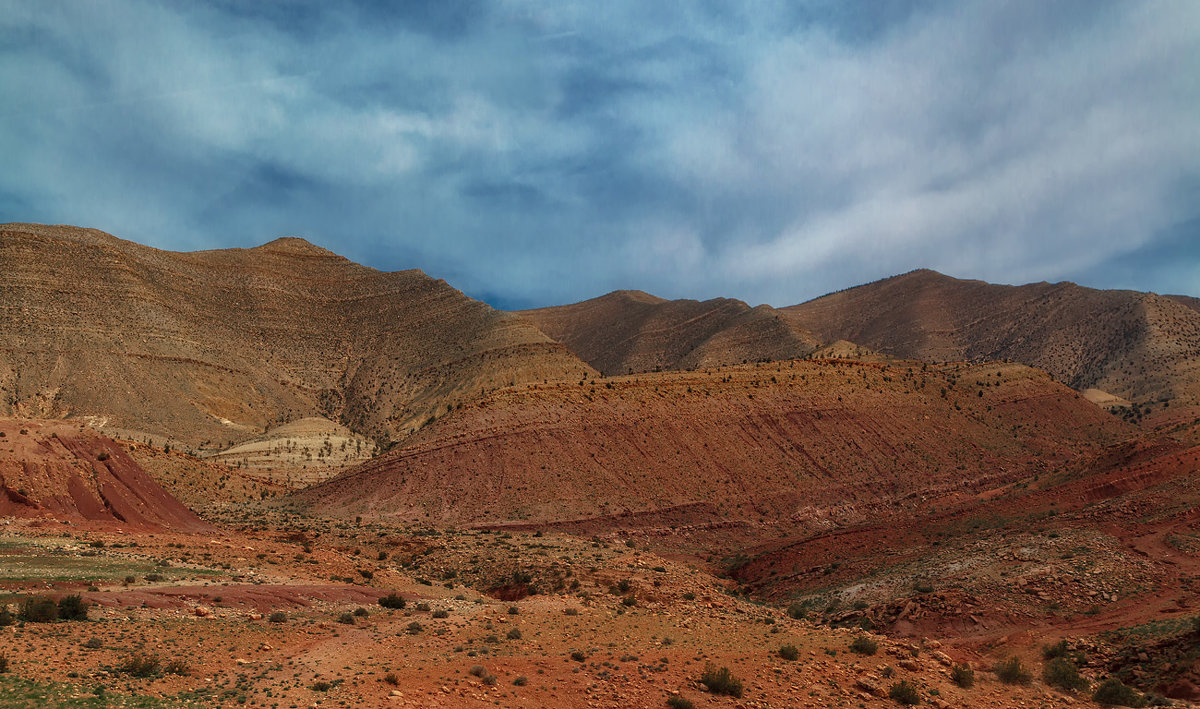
(211, 348)
(809, 444)
(1138, 346)
(627, 332)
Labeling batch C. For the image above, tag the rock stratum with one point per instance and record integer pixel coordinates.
(49, 469)
(810, 444)
(211, 348)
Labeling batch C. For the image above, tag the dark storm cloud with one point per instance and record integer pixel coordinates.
(539, 152)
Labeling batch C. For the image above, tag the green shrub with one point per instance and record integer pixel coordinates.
(721, 681)
(904, 692)
(963, 676)
(361, 613)
(277, 617)
(864, 645)
(73, 607)
(1113, 693)
(392, 600)
(578, 655)
(514, 634)
(797, 610)
(441, 613)
(346, 618)
(320, 686)
(678, 701)
(789, 652)
(38, 609)
(521, 681)
(477, 671)
(1063, 674)
(1058, 649)
(1012, 671)
(140, 665)
(414, 627)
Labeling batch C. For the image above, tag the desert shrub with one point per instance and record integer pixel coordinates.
(678, 701)
(904, 692)
(346, 618)
(72, 607)
(1058, 649)
(629, 601)
(687, 596)
(392, 600)
(514, 634)
(490, 680)
(278, 617)
(477, 670)
(3, 663)
(521, 681)
(864, 645)
(721, 681)
(392, 678)
(441, 613)
(578, 655)
(513, 610)
(423, 607)
(414, 627)
(361, 612)
(797, 610)
(103, 456)
(93, 643)
(38, 609)
(1012, 671)
(152, 578)
(1113, 693)
(888, 672)
(1063, 674)
(140, 665)
(923, 587)
(789, 652)
(963, 676)
(571, 611)
(320, 686)
(6, 616)
(177, 667)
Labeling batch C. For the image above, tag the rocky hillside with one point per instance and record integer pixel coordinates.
(808, 444)
(1137, 346)
(211, 348)
(627, 332)
(56, 471)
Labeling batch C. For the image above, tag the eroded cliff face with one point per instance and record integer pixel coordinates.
(58, 471)
(215, 346)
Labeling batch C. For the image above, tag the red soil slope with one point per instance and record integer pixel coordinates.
(812, 444)
(50, 469)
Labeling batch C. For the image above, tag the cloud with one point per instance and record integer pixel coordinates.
(542, 152)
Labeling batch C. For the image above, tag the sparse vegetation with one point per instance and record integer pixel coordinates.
(905, 693)
(1112, 692)
(678, 701)
(1012, 671)
(963, 676)
(864, 645)
(789, 652)
(1062, 674)
(721, 681)
(140, 665)
(393, 601)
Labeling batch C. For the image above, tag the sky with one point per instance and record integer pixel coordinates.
(535, 153)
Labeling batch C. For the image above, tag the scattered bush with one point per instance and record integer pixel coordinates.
(904, 692)
(393, 601)
(678, 701)
(3, 663)
(177, 667)
(1058, 649)
(490, 680)
(140, 665)
(361, 612)
(513, 610)
(414, 627)
(477, 670)
(923, 587)
(521, 681)
(346, 618)
(514, 634)
(578, 655)
(38, 609)
(1063, 674)
(789, 652)
(72, 607)
(1113, 693)
(721, 681)
(629, 601)
(320, 686)
(687, 596)
(6, 616)
(1012, 671)
(797, 610)
(391, 678)
(441, 613)
(93, 643)
(963, 676)
(571, 611)
(277, 617)
(864, 645)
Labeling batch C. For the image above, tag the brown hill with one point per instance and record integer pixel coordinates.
(628, 332)
(216, 346)
(1137, 346)
(55, 470)
(806, 443)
